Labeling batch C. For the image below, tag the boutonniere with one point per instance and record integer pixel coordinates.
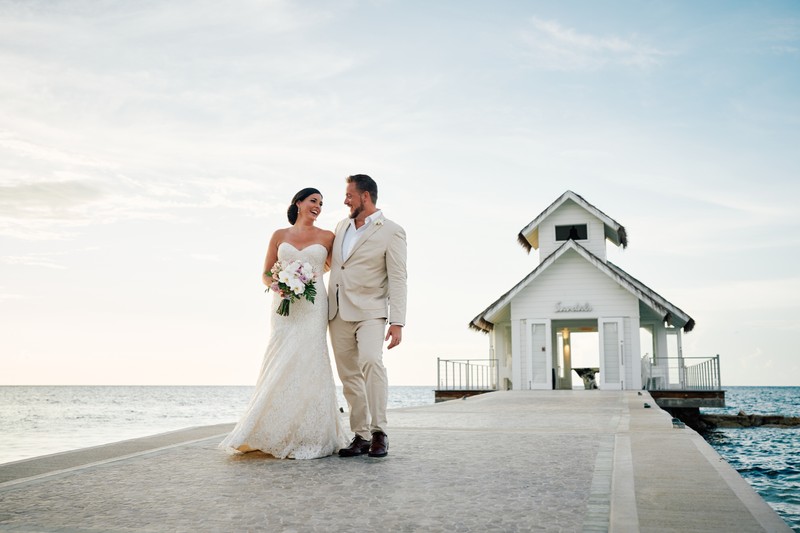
(379, 222)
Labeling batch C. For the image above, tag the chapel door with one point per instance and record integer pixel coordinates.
(612, 353)
(537, 373)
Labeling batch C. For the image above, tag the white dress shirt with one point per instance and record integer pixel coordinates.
(352, 234)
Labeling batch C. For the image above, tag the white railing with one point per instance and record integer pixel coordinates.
(467, 374)
(681, 373)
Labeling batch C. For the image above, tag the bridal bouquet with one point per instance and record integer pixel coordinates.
(293, 281)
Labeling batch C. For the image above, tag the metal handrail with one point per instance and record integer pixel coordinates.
(467, 374)
(681, 373)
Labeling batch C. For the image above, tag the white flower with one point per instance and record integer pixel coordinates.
(294, 266)
(379, 222)
(294, 281)
(297, 286)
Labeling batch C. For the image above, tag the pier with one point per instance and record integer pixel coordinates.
(582, 460)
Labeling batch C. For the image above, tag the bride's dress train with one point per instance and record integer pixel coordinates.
(293, 412)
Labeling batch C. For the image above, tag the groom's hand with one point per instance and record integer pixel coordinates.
(395, 333)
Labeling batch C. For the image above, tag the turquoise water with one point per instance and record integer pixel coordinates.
(768, 458)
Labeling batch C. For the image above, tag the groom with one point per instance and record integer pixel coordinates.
(367, 288)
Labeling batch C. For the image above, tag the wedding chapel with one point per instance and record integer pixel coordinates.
(576, 292)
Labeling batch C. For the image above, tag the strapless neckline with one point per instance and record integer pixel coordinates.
(304, 248)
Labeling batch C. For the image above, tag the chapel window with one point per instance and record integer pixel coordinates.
(576, 232)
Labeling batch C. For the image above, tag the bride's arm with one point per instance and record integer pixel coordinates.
(272, 257)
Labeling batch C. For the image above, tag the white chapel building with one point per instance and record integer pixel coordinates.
(575, 289)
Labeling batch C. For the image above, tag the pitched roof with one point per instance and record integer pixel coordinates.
(614, 231)
(670, 313)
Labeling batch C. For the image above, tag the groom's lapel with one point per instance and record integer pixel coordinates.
(376, 225)
(339, 238)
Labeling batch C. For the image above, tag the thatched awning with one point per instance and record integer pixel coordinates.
(528, 236)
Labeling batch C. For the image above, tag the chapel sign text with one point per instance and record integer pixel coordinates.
(573, 308)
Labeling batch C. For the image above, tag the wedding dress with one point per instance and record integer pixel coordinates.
(293, 412)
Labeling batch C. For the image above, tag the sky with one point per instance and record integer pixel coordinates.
(149, 149)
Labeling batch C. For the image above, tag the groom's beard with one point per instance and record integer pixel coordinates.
(356, 212)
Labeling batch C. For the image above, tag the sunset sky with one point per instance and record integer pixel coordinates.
(148, 150)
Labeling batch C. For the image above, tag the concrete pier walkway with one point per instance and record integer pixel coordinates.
(505, 461)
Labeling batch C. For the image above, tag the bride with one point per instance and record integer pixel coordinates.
(293, 412)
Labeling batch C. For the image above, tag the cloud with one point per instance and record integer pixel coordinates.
(47, 199)
(37, 260)
(4, 295)
(49, 259)
(784, 30)
(775, 295)
(551, 46)
(47, 209)
(781, 50)
(31, 151)
(789, 325)
(48, 192)
(153, 110)
(211, 258)
(54, 209)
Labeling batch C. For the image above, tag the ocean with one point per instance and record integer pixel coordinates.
(768, 458)
(40, 420)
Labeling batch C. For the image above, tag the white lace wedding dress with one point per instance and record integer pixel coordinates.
(293, 412)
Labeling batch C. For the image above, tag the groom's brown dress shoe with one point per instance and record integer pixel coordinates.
(359, 446)
(380, 445)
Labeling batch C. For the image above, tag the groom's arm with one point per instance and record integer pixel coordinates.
(396, 254)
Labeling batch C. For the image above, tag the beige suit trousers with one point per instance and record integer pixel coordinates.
(358, 348)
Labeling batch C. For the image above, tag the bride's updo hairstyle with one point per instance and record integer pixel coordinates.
(291, 213)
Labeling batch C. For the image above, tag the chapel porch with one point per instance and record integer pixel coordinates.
(673, 382)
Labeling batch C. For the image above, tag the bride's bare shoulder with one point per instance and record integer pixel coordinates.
(326, 237)
(280, 234)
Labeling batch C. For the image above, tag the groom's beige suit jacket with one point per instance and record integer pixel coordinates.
(371, 281)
